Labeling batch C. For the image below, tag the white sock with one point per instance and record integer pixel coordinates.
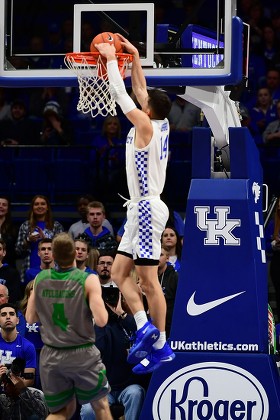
(160, 341)
(140, 319)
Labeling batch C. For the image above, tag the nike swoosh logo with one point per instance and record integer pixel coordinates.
(194, 309)
(110, 38)
(144, 331)
(167, 359)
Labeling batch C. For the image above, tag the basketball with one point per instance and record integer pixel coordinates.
(108, 37)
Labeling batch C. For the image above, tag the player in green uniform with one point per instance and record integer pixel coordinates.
(67, 301)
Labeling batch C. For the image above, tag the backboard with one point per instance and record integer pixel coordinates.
(178, 47)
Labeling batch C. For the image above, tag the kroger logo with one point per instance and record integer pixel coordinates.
(209, 390)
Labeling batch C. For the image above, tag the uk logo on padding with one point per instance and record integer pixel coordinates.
(256, 190)
(219, 228)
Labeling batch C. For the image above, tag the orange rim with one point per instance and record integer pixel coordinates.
(92, 57)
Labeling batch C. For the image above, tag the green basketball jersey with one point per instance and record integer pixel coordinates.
(63, 308)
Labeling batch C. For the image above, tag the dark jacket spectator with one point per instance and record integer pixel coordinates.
(19, 128)
(56, 130)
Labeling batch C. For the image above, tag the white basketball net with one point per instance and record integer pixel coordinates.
(93, 82)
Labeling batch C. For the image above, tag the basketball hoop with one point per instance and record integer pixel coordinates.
(91, 71)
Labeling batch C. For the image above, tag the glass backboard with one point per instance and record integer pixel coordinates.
(178, 46)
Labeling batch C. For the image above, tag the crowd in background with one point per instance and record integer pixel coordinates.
(48, 116)
(26, 250)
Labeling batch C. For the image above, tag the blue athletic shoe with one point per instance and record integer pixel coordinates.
(145, 338)
(154, 360)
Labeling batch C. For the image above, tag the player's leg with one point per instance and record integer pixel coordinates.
(102, 409)
(59, 415)
(120, 274)
(147, 269)
(62, 405)
(153, 292)
(147, 333)
(65, 413)
(161, 351)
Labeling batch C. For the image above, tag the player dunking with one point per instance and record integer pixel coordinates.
(146, 160)
(65, 300)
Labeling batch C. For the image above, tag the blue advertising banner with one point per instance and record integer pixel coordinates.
(223, 369)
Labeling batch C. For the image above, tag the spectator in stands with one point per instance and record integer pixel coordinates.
(113, 341)
(37, 58)
(8, 230)
(46, 260)
(183, 115)
(39, 97)
(171, 241)
(256, 75)
(104, 266)
(97, 235)
(4, 294)
(39, 225)
(4, 298)
(19, 128)
(54, 42)
(271, 134)
(120, 231)
(270, 45)
(273, 83)
(168, 279)
(57, 61)
(55, 130)
(110, 135)
(93, 259)
(256, 20)
(270, 80)
(87, 35)
(18, 399)
(5, 107)
(273, 250)
(82, 255)
(176, 221)
(32, 331)
(262, 114)
(111, 150)
(9, 276)
(79, 227)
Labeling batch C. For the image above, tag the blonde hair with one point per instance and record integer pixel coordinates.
(24, 301)
(64, 250)
(96, 205)
(92, 258)
(107, 121)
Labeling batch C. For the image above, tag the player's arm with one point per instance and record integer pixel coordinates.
(31, 314)
(96, 303)
(118, 91)
(138, 81)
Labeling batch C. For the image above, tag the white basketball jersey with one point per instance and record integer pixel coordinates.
(146, 167)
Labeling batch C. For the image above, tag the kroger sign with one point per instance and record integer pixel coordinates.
(211, 390)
